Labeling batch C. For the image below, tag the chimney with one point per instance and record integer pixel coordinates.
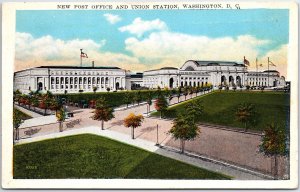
(93, 64)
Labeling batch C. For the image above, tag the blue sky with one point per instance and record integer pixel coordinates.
(260, 24)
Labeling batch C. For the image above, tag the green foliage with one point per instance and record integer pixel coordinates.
(184, 129)
(194, 109)
(161, 104)
(114, 99)
(274, 141)
(137, 97)
(17, 118)
(127, 99)
(246, 114)
(91, 156)
(102, 111)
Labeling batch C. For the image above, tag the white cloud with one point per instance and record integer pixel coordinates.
(139, 27)
(279, 57)
(176, 48)
(112, 19)
(159, 49)
(46, 50)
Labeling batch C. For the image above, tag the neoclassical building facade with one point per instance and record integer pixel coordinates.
(71, 79)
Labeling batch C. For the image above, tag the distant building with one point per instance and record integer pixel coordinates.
(61, 79)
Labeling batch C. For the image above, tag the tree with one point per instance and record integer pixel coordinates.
(127, 98)
(46, 101)
(133, 121)
(34, 101)
(194, 109)
(184, 130)
(274, 144)
(197, 90)
(103, 112)
(179, 91)
(245, 113)
(185, 91)
(191, 91)
(149, 98)
(161, 104)
(61, 117)
(16, 96)
(137, 97)
(17, 121)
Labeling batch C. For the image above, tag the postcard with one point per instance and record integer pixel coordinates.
(143, 95)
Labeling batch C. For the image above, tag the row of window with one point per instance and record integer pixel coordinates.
(77, 87)
(81, 80)
(83, 73)
(263, 79)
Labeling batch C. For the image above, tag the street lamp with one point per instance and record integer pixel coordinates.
(157, 144)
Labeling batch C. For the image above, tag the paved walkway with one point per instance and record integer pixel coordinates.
(220, 167)
(30, 113)
(42, 120)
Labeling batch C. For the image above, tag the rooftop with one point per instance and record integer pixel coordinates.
(211, 63)
(79, 67)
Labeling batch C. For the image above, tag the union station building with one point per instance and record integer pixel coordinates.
(72, 79)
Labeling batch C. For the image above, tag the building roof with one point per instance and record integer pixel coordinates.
(212, 63)
(79, 67)
(272, 71)
(163, 68)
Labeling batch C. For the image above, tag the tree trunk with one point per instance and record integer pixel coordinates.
(182, 142)
(178, 99)
(102, 125)
(245, 126)
(45, 111)
(132, 132)
(60, 126)
(126, 105)
(276, 168)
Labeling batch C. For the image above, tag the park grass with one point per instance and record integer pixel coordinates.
(23, 116)
(220, 108)
(92, 156)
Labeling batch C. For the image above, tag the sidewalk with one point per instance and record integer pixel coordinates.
(235, 171)
(30, 113)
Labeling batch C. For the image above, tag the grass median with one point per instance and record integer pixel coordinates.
(91, 156)
(220, 108)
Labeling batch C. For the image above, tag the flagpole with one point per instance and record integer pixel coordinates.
(256, 71)
(80, 57)
(268, 71)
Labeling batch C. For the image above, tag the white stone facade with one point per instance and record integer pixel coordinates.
(216, 73)
(59, 79)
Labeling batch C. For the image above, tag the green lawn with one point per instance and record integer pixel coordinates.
(24, 116)
(91, 156)
(220, 108)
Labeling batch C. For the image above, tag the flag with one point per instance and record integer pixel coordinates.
(271, 63)
(246, 62)
(83, 55)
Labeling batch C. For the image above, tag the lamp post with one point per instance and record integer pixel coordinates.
(157, 144)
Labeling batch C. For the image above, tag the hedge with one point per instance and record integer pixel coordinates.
(114, 99)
